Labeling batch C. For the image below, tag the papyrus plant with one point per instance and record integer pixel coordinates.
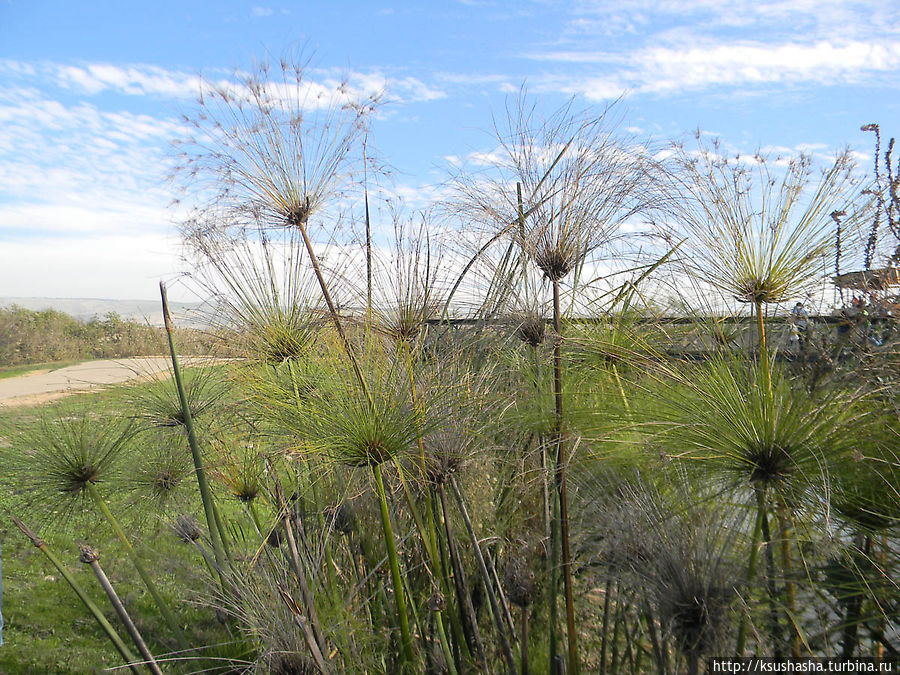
(368, 425)
(71, 461)
(759, 229)
(753, 432)
(558, 188)
(274, 144)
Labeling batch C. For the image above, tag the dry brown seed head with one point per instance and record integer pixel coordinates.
(88, 554)
(187, 528)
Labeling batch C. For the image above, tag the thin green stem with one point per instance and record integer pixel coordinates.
(406, 645)
(216, 535)
(621, 389)
(332, 311)
(111, 633)
(751, 573)
(459, 638)
(787, 566)
(429, 535)
(427, 541)
(486, 578)
(138, 565)
(561, 485)
(445, 644)
(463, 595)
(774, 624)
(763, 348)
(553, 569)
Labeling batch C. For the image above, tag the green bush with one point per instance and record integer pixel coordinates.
(48, 335)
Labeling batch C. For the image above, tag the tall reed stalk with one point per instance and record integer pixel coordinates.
(216, 531)
(90, 556)
(486, 579)
(371, 453)
(111, 633)
(163, 606)
(577, 180)
(405, 636)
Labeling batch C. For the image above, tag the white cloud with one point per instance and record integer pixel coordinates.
(491, 159)
(262, 11)
(78, 217)
(593, 88)
(662, 70)
(56, 153)
(471, 78)
(666, 46)
(412, 89)
(322, 87)
(823, 63)
(135, 80)
(84, 207)
(363, 84)
(118, 267)
(812, 19)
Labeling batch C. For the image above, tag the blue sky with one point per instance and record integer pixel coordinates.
(91, 92)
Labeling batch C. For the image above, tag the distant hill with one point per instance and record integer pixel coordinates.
(185, 314)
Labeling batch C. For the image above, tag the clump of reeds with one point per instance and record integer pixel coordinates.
(664, 540)
(73, 459)
(577, 182)
(157, 405)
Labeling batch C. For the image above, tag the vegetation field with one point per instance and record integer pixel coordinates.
(31, 338)
(47, 629)
(521, 435)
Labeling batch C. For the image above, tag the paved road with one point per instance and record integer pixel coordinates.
(43, 386)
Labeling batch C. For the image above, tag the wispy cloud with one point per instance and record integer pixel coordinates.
(77, 165)
(412, 89)
(660, 70)
(801, 20)
(665, 46)
(80, 217)
(51, 150)
(148, 80)
(84, 210)
(397, 88)
(122, 266)
(136, 80)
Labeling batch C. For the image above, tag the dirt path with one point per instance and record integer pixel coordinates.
(42, 386)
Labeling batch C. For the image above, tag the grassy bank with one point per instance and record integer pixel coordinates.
(48, 630)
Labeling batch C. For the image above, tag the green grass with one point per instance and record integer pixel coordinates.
(15, 371)
(47, 629)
